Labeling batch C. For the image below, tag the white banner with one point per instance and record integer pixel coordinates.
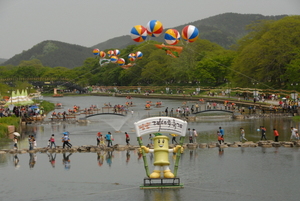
(160, 125)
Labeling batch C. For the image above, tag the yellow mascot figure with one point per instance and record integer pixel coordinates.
(161, 156)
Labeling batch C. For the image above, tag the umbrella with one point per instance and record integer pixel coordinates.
(16, 134)
(174, 135)
(33, 107)
(66, 133)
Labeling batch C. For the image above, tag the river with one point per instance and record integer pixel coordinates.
(207, 174)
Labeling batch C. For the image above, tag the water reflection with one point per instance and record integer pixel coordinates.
(109, 157)
(52, 158)
(32, 160)
(162, 194)
(66, 161)
(127, 156)
(221, 151)
(100, 158)
(16, 161)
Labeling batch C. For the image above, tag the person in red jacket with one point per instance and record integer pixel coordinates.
(276, 134)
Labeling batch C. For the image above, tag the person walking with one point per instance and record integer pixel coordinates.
(276, 134)
(190, 135)
(174, 138)
(221, 130)
(52, 141)
(166, 111)
(242, 135)
(127, 138)
(98, 138)
(263, 133)
(15, 140)
(65, 140)
(151, 139)
(195, 135)
(293, 133)
(30, 141)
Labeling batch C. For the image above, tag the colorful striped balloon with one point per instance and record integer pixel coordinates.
(172, 36)
(102, 54)
(131, 57)
(96, 51)
(113, 59)
(138, 33)
(154, 28)
(121, 62)
(139, 55)
(110, 53)
(190, 33)
(116, 52)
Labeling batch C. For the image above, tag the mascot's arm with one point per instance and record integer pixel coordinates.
(146, 149)
(178, 147)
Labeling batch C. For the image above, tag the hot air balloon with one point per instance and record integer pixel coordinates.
(131, 57)
(102, 54)
(110, 53)
(154, 28)
(96, 51)
(121, 62)
(190, 33)
(139, 55)
(116, 52)
(113, 59)
(138, 33)
(172, 36)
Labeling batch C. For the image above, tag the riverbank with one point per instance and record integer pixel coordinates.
(117, 147)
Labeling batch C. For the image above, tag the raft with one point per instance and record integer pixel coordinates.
(160, 183)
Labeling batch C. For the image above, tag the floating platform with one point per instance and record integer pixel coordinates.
(150, 183)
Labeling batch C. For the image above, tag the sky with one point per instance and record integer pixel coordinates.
(25, 23)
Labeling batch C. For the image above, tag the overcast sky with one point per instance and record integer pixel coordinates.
(25, 23)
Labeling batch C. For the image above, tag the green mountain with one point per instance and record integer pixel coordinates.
(224, 29)
(53, 54)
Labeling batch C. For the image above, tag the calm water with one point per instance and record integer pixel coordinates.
(207, 174)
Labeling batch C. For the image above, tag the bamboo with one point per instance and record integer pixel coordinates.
(178, 154)
(144, 156)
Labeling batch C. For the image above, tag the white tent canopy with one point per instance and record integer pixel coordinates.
(18, 98)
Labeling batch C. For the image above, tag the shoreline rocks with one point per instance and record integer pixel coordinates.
(117, 147)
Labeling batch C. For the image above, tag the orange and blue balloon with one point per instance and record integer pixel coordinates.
(138, 33)
(96, 51)
(110, 53)
(131, 57)
(139, 55)
(154, 28)
(113, 59)
(172, 36)
(121, 62)
(190, 33)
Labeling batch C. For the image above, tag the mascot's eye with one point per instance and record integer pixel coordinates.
(158, 141)
(163, 141)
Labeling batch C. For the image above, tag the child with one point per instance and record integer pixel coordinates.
(49, 143)
(220, 137)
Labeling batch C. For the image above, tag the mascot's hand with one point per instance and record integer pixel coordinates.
(178, 147)
(146, 149)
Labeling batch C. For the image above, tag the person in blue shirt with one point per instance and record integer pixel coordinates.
(221, 132)
(108, 139)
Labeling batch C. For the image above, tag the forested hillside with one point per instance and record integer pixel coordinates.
(53, 54)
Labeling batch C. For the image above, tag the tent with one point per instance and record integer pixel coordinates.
(18, 98)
